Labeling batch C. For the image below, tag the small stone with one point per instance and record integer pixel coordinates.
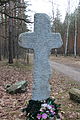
(18, 87)
(7, 85)
(75, 94)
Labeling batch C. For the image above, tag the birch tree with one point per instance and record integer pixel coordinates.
(67, 33)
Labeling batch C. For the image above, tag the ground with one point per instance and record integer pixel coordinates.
(10, 105)
(67, 60)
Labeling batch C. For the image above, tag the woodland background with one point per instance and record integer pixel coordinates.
(14, 19)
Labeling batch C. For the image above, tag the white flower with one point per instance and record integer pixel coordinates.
(44, 105)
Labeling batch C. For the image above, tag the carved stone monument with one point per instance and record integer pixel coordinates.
(42, 40)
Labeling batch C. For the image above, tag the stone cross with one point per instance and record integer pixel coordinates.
(42, 40)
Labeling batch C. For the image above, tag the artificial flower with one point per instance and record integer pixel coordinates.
(44, 115)
(39, 116)
(44, 105)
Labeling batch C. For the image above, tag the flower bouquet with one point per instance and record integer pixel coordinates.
(42, 110)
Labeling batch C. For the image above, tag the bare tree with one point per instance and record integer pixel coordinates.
(10, 34)
(75, 38)
(68, 24)
(1, 33)
(76, 29)
(0, 45)
(13, 23)
(5, 34)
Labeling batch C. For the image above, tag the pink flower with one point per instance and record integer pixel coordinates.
(39, 116)
(53, 113)
(44, 115)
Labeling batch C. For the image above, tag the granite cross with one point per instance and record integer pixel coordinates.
(42, 40)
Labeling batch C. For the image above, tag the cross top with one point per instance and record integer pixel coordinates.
(42, 40)
(41, 23)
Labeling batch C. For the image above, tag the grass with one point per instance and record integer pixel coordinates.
(17, 64)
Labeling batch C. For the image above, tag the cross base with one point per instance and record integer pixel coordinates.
(46, 107)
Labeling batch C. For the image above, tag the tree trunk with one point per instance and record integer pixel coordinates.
(14, 31)
(0, 42)
(0, 47)
(67, 34)
(28, 56)
(0, 50)
(67, 38)
(5, 40)
(75, 40)
(10, 37)
(10, 42)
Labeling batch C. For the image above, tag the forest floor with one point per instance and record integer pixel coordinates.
(67, 60)
(10, 105)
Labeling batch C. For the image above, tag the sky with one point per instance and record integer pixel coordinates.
(45, 6)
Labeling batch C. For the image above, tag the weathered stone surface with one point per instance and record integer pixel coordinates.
(42, 40)
(75, 94)
(18, 87)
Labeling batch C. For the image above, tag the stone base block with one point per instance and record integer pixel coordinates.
(75, 94)
(18, 87)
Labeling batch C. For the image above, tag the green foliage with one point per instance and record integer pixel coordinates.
(34, 107)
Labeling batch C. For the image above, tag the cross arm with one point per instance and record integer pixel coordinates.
(55, 41)
(27, 40)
